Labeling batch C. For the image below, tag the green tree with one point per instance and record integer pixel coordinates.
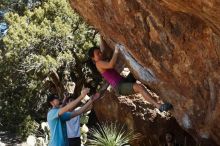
(42, 46)
(19, 6)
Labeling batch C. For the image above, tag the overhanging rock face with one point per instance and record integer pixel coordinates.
(173, 46)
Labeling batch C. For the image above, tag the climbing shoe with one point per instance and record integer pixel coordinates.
(165, 107)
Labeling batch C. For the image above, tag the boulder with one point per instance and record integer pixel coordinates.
(173, 46)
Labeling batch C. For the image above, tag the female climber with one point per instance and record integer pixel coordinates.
(120, 84)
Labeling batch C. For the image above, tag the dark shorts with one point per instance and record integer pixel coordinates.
(125, 87)
(74, 141)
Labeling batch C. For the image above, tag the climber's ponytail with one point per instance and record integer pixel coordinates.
(91, 51)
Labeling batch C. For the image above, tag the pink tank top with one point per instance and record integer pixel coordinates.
(112, 76)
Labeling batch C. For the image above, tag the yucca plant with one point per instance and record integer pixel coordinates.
(111, 135)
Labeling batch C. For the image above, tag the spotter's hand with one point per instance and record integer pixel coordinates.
(85, 91)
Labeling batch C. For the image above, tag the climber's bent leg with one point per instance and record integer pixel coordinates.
(128, 88)
(138, 88)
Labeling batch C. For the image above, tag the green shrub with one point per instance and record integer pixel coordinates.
(111, 135)
(28, 127)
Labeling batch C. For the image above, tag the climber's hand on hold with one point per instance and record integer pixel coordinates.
(117, 48)
(84, 92)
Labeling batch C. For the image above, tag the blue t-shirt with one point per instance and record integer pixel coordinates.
(57, 124)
